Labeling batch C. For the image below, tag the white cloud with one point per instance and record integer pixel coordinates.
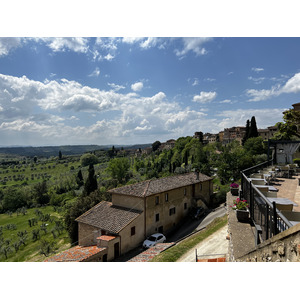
(138, 86)
(196, 82)
(205, 97)
(257, 70)
(131, 40)
(48, 109)
(149, 43)
(258, 80)
(194, 44)
(210, 79)
(116, 87)
(226, 101)
(95, 73)
(7, 44)
(291, 86)
(76, 44)
(238, 117)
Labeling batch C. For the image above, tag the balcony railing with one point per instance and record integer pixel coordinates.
(268, 220)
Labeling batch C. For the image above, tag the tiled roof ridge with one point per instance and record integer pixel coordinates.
(126, 208)
(146, 188)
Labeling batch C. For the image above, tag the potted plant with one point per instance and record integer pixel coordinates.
(241, 209)
(234, 189)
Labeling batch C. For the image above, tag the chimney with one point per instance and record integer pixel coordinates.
(197, 174)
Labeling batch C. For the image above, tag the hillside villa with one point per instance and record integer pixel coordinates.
(110, 229)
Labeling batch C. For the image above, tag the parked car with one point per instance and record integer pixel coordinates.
(198, 213)
(154, 239)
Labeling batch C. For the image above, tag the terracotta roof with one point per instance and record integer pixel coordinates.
(75, 254)
(106, 237)
(109, 217)
(156, 186)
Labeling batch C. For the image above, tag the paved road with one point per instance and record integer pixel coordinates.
(192, 225)
(214, 244)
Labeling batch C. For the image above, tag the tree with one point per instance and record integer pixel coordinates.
(156, 145)
(118, 168)
(46, 247)
(91, 182)
(59, 155)
(40, 193)
(288, 130)
(253, 128)
(255, 146)
(246, 136)
(79, 178)
(88, 159)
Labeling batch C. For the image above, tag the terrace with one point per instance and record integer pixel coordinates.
(273, 195)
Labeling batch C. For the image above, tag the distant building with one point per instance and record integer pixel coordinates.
(233, 134)
(169, 144)
(210, 138)
(267, 133)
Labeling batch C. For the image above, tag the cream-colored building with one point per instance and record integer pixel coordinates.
(139, 210)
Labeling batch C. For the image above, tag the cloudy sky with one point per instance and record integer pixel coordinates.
(128, 90)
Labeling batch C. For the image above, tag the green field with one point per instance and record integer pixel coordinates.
(46, 217)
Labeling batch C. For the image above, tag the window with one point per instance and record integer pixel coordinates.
(184, 191)
(132, 230)
(167, 197)
(185, 205)
(156, 200)
(156, 217)
(200, 187)
(172, 211)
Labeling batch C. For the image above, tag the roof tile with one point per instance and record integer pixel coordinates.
(109, 217)
(75, 254)
(155, 186)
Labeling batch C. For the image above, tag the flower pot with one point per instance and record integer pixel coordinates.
(234, 191)
(242, 215)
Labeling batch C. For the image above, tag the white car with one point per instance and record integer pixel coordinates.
(154, 239)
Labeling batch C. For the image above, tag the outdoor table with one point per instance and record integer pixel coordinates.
(270, 187)
(253, 180)
(283, 201)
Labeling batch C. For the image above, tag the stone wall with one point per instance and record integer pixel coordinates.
(283, 247)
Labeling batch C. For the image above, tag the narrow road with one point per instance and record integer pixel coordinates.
(214, 244)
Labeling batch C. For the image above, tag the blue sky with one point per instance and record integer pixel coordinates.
(58, 91)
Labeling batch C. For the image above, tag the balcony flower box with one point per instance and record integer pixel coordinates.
(234, 189)
(242, 215)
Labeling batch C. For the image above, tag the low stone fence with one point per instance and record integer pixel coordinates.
(283, 247)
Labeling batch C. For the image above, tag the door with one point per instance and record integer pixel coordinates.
(105, 258)
(117, 249)
(161, 229)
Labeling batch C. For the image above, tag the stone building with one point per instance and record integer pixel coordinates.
(137, 211)
(233, 134)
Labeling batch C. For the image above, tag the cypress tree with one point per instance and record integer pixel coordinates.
(91, 182)
(246, 136)
(253, 128)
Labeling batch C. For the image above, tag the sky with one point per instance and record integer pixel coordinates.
(128, 90)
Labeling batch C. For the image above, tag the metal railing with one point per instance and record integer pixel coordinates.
(267, 219)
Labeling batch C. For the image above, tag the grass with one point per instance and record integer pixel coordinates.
(30, 251)
(174, 253)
